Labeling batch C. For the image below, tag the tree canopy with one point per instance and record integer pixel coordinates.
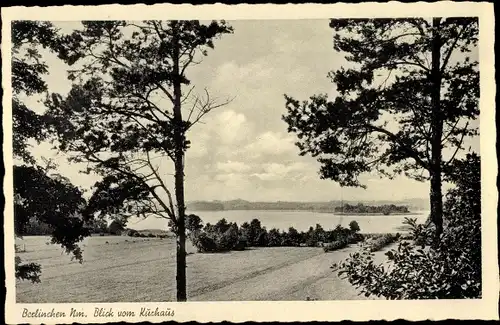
(119, 115)
(40, 197)
(129, 112)
(405, 102)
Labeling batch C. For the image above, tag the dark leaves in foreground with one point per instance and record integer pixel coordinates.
(50, 201)
(417, 271)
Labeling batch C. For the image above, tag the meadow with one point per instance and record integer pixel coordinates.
(126, 269)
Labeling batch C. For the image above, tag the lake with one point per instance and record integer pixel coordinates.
(300, 220)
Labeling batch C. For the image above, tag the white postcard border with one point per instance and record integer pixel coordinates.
(485, 308)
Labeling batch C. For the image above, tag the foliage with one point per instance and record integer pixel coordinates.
(450, 270)
(193, 223)
(132, 233)
(361, 208)
(378, 243)
(50, 201)
(338, 244)
(27, 271)
(372, 124)
(129, 112)
(420, 233)
(275, 237)
(27, 70)
(43, 204)
(225, 236)
(116, 227)
(354, 226)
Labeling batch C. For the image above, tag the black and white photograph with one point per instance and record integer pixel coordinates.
(246, 160)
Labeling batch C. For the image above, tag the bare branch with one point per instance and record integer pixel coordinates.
(459, 146)
(205, 108)
(452, 47)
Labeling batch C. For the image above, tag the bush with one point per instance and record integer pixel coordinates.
(220, 238)
(205, 244)
(132, 233)
(150, 235)
(356, 238)
(382, 241)
(336, 245)
(225, 236)
(450, 270)
(240, 245)
(353, 226)
(227, 240)
(193, 223)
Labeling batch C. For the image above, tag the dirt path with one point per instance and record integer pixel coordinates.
(310, 277)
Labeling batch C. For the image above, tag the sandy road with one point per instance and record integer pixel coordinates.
(311, 277)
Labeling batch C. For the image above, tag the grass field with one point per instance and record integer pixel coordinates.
(129, 269)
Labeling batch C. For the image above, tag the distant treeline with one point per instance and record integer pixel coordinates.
(36, 228)
(380, 209)
(331, 206)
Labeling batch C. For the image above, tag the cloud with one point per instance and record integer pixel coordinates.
(277, 171)
(252, 74)
(232, 166)
(271, 143)
(230, 127)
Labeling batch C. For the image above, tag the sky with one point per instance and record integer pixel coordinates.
(242, 150)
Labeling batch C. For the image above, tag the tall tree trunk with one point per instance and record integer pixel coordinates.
(436, 198)
(179, 173)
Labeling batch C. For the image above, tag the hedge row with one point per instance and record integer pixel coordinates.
(380, 242)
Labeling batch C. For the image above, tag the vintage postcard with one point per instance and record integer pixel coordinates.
(249, 163)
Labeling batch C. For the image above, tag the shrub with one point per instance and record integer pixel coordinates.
(240, 245)
(353, 226)
(213, 239)
(193, 223)
(132, 233)
(450, 270)
(205, 244)
(116, 227)
(421, 234)
(382, 241)
(225, 236)
(336, 245)
(356, 238)
(275, 238)
(227, 240)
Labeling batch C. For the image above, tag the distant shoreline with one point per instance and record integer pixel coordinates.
(316, 211)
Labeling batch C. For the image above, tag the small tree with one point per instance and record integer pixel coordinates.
(293, 237)
(353, 226)
(275, 237)
(411, 92)
(193, 223)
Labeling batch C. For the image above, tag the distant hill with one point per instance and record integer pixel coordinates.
(238, 204)
(205, 206)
